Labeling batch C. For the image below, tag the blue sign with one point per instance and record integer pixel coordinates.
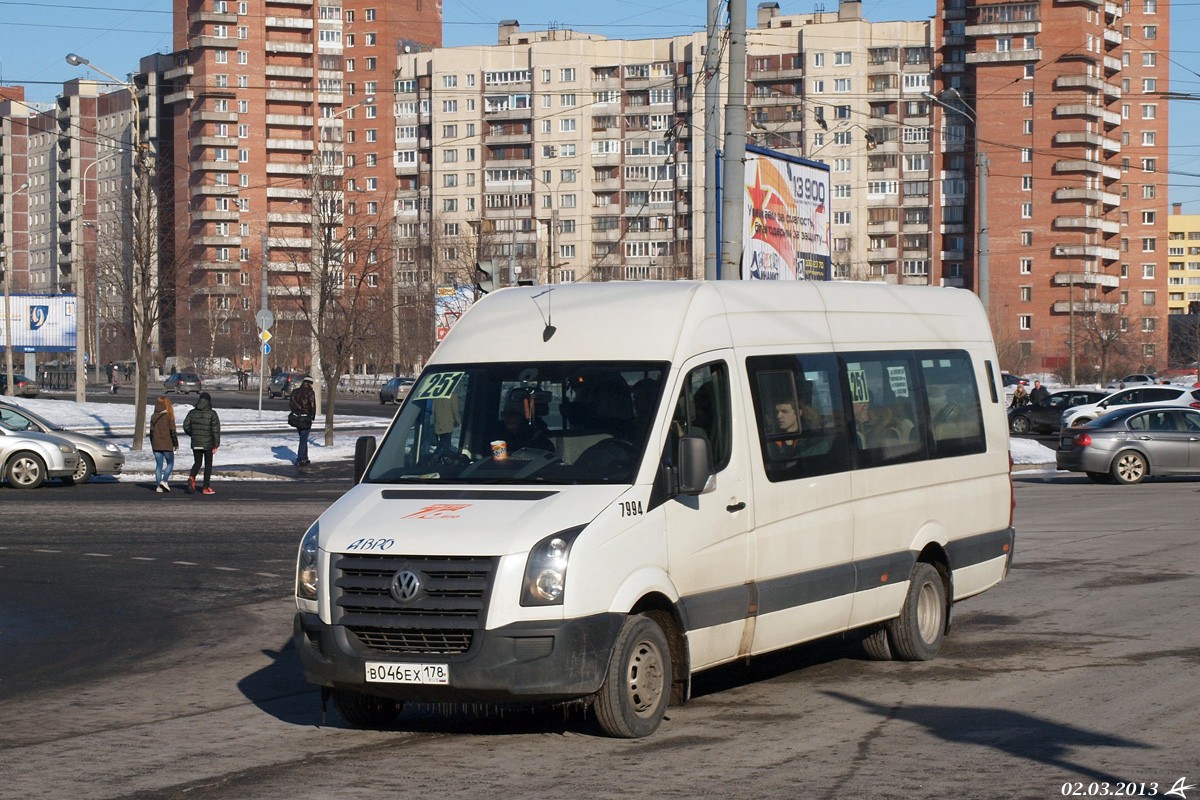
(40, 323)
(266, 349)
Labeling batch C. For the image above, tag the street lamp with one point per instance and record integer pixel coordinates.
(982, 244)
(8, 340)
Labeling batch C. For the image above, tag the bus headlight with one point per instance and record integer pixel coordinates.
(545, 581)
(306, 564)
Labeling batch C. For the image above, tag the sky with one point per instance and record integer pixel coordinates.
(36, 35)
(244, 445)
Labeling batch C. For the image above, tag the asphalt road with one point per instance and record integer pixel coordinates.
(144, 653)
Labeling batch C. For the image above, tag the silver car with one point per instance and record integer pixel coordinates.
(1128, 444)
(28, 458)
(96, 456)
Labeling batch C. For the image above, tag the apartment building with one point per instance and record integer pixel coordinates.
(1059, 99)
(1183, 262)
(268, 102)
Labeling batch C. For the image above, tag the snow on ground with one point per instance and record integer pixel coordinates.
(249, 438)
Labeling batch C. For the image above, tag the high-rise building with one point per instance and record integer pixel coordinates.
(1050, 120)
(1183, 262)
(271, 103)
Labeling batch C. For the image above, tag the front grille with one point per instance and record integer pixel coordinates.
(441, 620)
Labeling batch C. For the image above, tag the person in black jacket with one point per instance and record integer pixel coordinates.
(1039, 395)
(304, 409)
(204, 426)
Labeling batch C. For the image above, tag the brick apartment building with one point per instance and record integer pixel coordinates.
(1066, 95)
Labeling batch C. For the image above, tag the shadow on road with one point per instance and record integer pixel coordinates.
(1011, 732)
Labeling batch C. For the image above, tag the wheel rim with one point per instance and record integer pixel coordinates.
(81, 471)
(644, 678)
(1020, 425)
(1130, 467)
(929, 613)
(25, 472)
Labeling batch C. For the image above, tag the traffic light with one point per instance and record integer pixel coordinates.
(485, 277)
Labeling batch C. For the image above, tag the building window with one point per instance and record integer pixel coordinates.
(1026, 210)
(1025, 322)
(1026, 238)
(1149, 31)
(1027, 99)
(1147, 270)
(1026, 294)
(1148, 244)
(1148, 298)
(1026, 266)
(841, 218)
(1148, 217)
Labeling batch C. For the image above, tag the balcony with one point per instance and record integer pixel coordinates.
(292, 145)
(289, 96)
(1095, 280)
(289, 218)
(1085, 307)
(1067, 195)
(299, 193)
(218, 42)
(1113, 12)
(289, 169)
(1089, 167)
(216, 216)
(1011, 57)
(883, 254)
(219, 166)
(179, 72)
(1092, 110)
(214, 116)
(211, 18)
(1089, 138)
(213, 190)
(1087, 224)
(290, 23)
(1086, 251)
(185, 96)
(289, 120)
(214, 141)
(219, 241)
(1027, 27)
(1112, 37)
(302, 48)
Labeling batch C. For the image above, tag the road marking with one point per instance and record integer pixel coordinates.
(265, 574)
(228, 569)
(37, 550)
(186, 563)
(99, 555)
(142, 558)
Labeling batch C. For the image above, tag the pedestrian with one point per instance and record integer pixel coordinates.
(1020, 397)
(1039, 395)
(303, 404)
(164, 441)
(204, 426)
(116, 378)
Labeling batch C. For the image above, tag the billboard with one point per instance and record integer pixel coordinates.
(451, 302)
(40, 323)
(785, 229)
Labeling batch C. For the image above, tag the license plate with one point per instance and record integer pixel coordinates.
(379, 672)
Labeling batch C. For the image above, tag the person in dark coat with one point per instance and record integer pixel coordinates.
(304, 409)
(204, 426)
(164, 441)
(1039, 395)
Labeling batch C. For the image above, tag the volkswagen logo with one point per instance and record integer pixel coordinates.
(406, 585)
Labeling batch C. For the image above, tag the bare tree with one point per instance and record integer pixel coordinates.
(1104, 340)
(135, 273)
(335, 294)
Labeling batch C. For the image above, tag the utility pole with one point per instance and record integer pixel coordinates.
(712, 142)
(733, 184)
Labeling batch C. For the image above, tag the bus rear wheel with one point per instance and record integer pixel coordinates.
(916, 635)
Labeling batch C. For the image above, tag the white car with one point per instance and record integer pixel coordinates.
(1138, 395)
(27, 458)
(1130, 381)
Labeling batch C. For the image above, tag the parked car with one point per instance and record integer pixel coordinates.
(1128, 444)
(1012, 381)
(395, 390)
(183, 383)
(23, 385)
(1140, 379)
(28, 458)
(283, 384)
(1139, 395)
(96, 456)
(1047, 417)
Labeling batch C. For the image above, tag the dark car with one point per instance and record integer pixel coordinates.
(283, 384)
(1128, 444)
(23, 385)
(1047, 417)
(183, 383)
(395, 390)
(1013, 381)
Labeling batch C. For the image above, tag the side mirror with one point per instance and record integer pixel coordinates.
(364, 449)
(695, 465)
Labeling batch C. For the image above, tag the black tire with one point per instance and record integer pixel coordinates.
(83, 472)
(364, 710)
(916, 635)
(25, 471)
(1129, 467)
(633, 700)
(1019, 424)
(875, 644)
(1100, 477)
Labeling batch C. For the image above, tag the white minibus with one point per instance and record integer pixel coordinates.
(595, 491)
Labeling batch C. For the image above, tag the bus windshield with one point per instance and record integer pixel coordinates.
(546, 422)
